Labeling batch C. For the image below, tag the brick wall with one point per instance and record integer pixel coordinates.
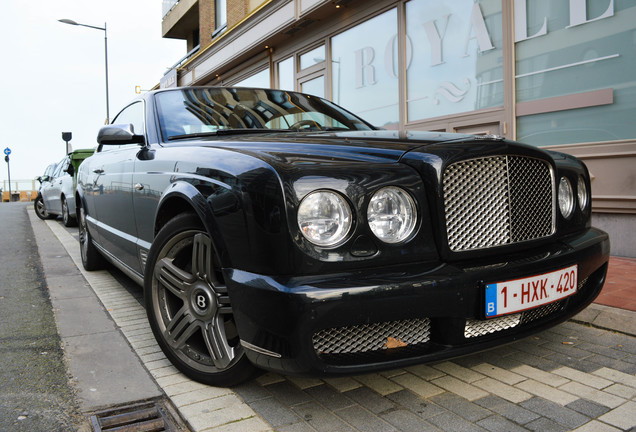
(206, 21)
(236, 11)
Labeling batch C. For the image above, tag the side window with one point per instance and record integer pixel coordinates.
(61, 167)
(50, 170)
(65, 166)
(133, 114)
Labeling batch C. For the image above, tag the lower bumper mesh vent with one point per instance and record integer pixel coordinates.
(476, 328)
(372, 337)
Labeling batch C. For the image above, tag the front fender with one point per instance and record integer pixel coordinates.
(244, 212)
(238, 197)
(182, 196)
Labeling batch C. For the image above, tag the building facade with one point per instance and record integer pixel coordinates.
(557, 74)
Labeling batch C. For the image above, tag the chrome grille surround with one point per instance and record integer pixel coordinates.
(371, 337)
(498, 200)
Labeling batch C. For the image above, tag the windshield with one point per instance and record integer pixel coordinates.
(222, 110)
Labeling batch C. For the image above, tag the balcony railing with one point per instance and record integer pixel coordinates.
(167, 6)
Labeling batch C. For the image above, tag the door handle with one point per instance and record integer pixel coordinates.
(98, 171)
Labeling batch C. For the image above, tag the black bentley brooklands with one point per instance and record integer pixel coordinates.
(274, 230)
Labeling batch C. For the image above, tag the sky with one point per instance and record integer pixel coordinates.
(52, 76)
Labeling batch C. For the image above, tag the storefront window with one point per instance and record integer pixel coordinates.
(286, 74)
(314, 86)
(313, 57)
(259, 79)
(364, 70)
(575, 67)
(454, 57)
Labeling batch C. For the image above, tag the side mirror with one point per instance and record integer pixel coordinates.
(39, 178)
(118, 134)
(70, 170)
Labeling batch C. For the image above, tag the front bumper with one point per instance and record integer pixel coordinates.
(281, 320)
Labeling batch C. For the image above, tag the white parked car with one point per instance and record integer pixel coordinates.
(56, 196)
(44, 180)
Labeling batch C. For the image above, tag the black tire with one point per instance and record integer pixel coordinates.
(91, 258)
(40, 209)
(188, 307)
(67, 218)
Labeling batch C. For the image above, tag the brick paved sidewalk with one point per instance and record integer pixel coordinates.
(572, 377)
(620, 288)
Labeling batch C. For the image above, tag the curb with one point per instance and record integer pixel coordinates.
(608, 318)
(104, 368)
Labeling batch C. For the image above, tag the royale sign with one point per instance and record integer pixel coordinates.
(436, 30)
(449, 59)
(578, 16)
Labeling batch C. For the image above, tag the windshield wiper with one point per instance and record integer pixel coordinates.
(192, 135)
(337, 129)
(221, 132)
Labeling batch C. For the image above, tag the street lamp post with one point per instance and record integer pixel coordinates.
(67, 136)
(71, 22)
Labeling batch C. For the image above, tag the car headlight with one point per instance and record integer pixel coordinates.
(566, 197)
(324, 218)
(392, 215)
(581, 191)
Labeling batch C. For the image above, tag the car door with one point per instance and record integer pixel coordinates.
(113, 193)
(45, 181)
(51, 194)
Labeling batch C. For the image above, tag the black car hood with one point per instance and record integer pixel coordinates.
(363, 146)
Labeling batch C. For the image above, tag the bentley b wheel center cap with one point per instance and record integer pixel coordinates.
(203, 302)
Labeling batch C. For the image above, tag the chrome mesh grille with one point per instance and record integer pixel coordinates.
(531, 203)
(371, 337)
(497, 200)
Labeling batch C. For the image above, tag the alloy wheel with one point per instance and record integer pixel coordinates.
(83, 235)
(191, 306)
(40, 208)
(66, 216)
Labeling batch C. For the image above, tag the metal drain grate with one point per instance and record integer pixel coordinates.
(153, 416)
